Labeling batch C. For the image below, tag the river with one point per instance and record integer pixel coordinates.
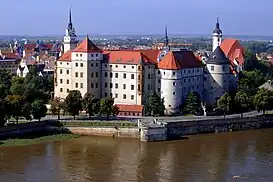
(201, 158)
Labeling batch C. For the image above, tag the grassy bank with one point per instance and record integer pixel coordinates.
(35, 140)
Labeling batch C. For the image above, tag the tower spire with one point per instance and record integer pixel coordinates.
(217, 23)
(70, 25)
(166, 41)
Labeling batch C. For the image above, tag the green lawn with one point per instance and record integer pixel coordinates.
(36, 140)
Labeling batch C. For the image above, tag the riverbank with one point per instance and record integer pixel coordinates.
(35, 140)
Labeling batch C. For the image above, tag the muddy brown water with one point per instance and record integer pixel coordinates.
(201, 158)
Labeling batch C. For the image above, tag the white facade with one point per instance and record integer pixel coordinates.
(176, 84)
(216, 40)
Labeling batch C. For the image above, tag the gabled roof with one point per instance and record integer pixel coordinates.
(87, 46)
(66, 56)
(233, 50)
(218, 57)
(176, 60)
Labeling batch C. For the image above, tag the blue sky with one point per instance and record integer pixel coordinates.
(49, 17)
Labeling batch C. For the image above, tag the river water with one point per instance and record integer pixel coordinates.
(201, 158)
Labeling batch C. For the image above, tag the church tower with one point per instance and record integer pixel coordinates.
(70, 39)
(216, 36)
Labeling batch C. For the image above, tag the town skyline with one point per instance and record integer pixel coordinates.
(123, 18)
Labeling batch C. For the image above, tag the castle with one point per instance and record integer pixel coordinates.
(130, 75)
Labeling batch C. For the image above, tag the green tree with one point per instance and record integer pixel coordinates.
(242, 101)
(17, 86)
(107, 107)
(56, 106)
(91, 104)
(14, 106)
(192, 104)
(154, 105)
(263, 100)
(224, 103)
(38, 109)
(73, 103)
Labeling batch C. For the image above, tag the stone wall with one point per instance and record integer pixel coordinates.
(100, 131)
(180, 129)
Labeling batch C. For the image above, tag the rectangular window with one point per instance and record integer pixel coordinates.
(92, 75)
(67, 81)
(105, 94)
(61, 89)
(133, 67)
(111, 85)
(111, 95)
(124, 66)
(158, 81)
(105, 74)
(116, 96)
(116, 75)
(61, 80)
(132, 87)
(212, 68)
(149, 76)
(97, 64)
(97, 74)
(61, 71)
(116, 85)
(124, 86)
(92, 85)
(149, 87)
(105, 85)
(158, 89)
(111, 75)
(124, 96)
(76, 74)
(173, 73)
(81, 64)
(76, 64)
(138, 87)
(81, 85)
(67, 90)
(132, 76)
(91, 64)
(81, 74)
(96, 85)
(132, 97)
(124, 75)
(76, 85)
(67, 71)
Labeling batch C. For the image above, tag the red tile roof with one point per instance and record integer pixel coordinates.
(87, 46)
(32, 46)
(130, 108)
(9, 55)
(66, 56)
(233, 50)
(132, 56)
(176, 60)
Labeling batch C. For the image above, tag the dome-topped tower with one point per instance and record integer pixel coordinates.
(217, 35)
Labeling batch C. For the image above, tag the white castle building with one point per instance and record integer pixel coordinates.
(130, 75)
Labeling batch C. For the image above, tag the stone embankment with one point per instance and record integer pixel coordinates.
(146, 131)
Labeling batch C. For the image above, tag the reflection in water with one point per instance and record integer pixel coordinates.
(201, 158)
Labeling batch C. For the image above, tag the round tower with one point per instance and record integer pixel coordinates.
(217, 77)
(216, 36)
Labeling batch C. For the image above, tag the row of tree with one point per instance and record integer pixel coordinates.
(74, 103)
(241, 102)
(24, 97)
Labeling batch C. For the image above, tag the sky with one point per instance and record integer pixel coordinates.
(112, 17)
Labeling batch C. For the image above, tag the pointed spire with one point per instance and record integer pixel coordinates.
(70, 25)
(166, 41)
(217, 23)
